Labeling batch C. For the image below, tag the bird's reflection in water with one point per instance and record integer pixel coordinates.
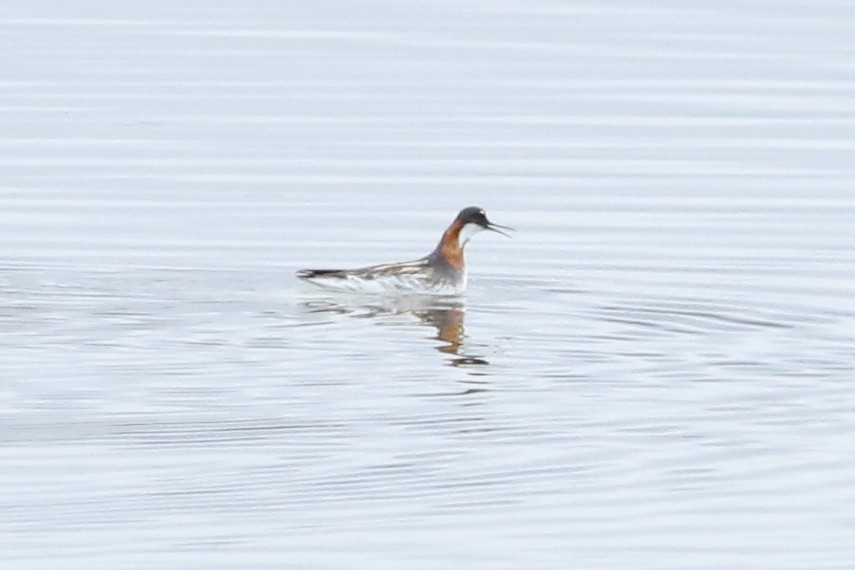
(449, 329)
(445, 314)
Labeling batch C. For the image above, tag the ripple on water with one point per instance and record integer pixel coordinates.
(655, 373)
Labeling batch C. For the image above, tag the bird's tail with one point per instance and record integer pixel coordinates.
(313, 273)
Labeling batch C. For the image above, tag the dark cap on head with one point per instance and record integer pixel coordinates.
(476, 215)
(473, 215)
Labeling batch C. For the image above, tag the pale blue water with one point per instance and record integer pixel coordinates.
(656, 372)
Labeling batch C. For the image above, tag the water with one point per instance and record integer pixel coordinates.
(656, 372)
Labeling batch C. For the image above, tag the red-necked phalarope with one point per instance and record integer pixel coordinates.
(442, 271)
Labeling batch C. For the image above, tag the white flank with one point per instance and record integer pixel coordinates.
(390, 284)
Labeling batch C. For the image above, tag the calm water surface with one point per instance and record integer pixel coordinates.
(656, 372)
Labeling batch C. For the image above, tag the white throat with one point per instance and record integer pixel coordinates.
(467, 232)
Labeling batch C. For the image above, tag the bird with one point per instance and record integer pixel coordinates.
(442, 271)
